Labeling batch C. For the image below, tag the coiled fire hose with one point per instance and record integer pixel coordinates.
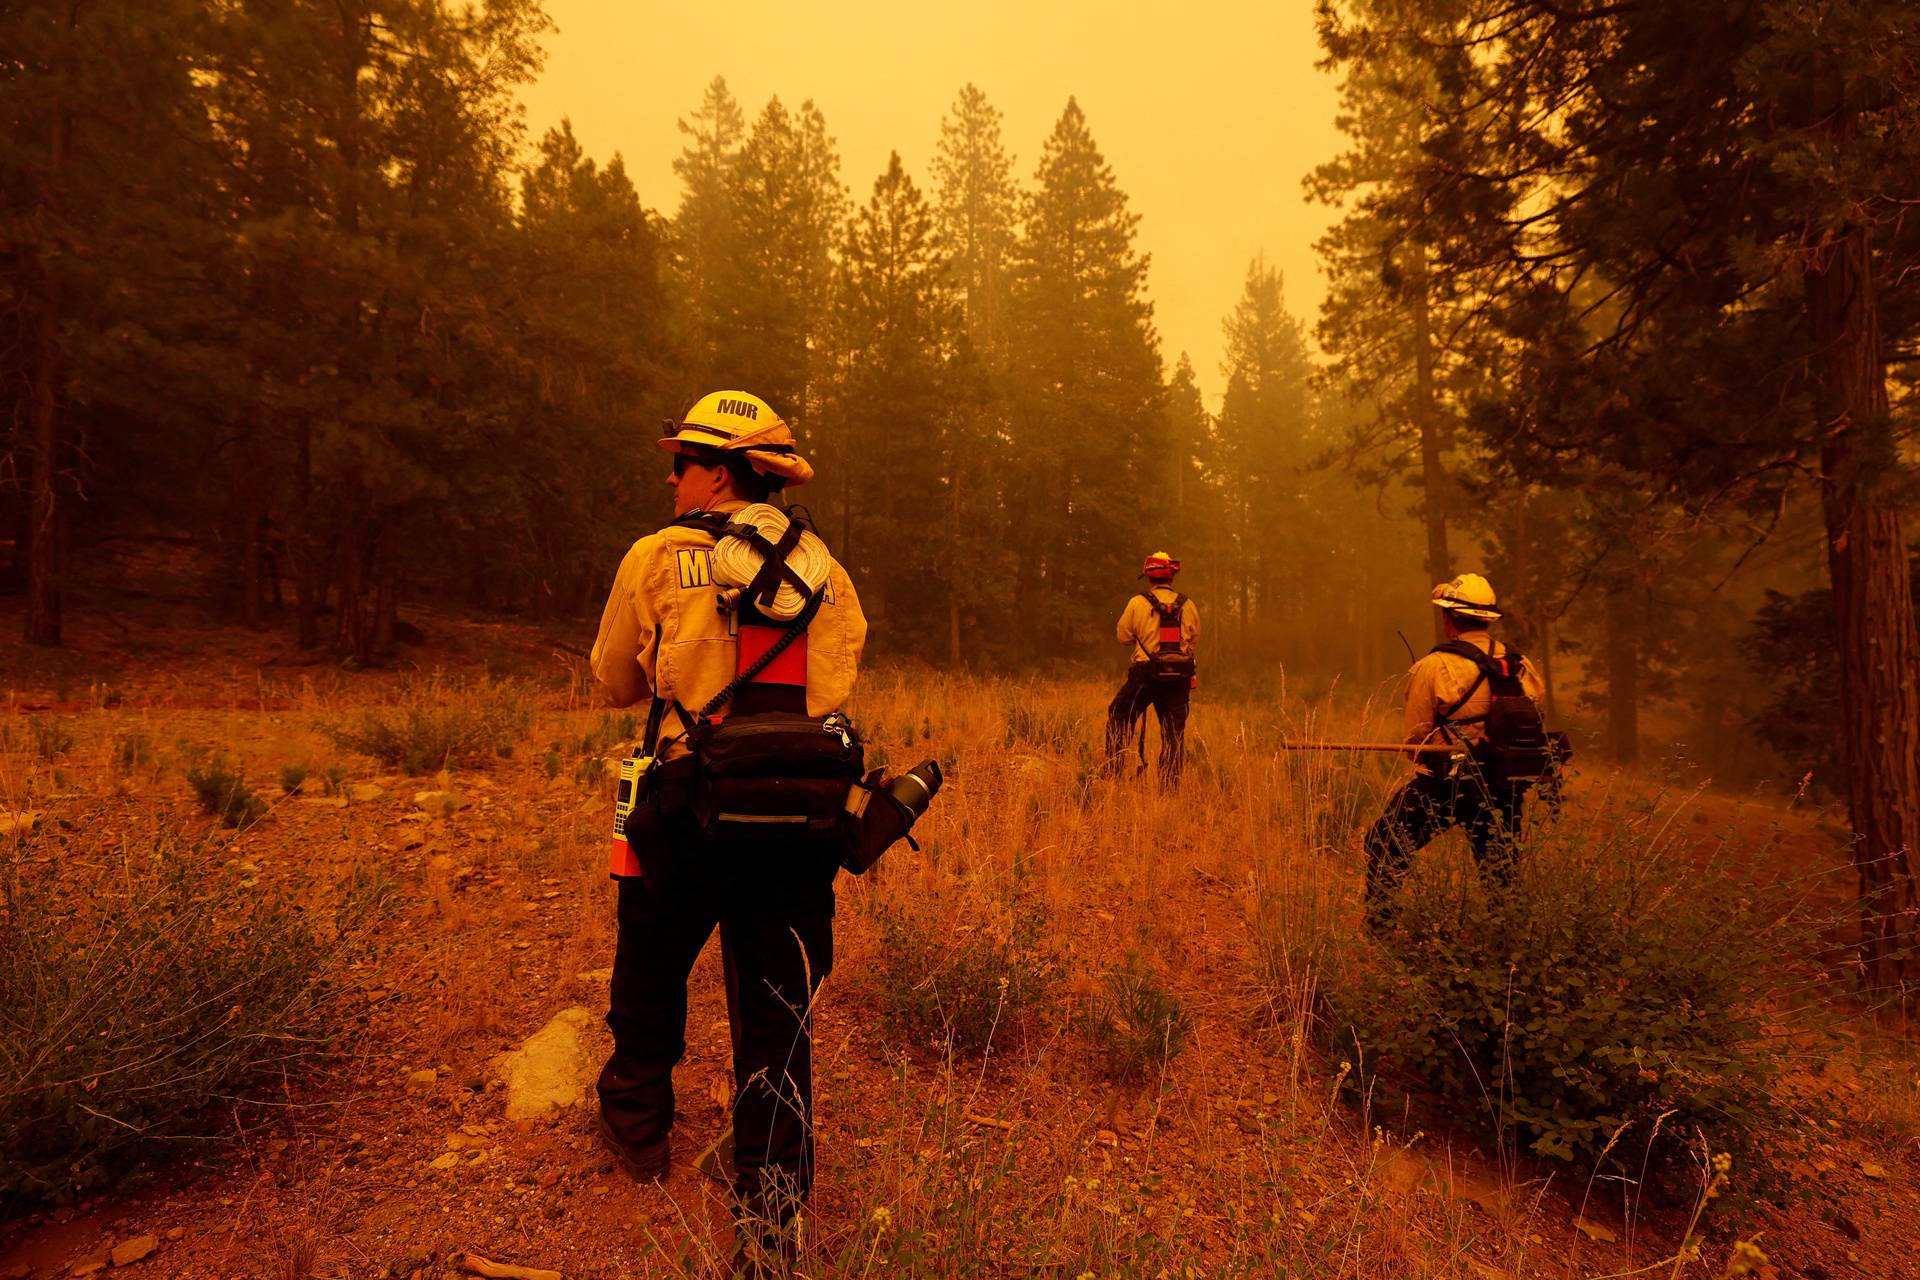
(736, 561)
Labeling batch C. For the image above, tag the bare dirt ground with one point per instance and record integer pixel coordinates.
(1241, 1157)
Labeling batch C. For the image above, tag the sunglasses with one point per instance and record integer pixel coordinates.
(681, 461)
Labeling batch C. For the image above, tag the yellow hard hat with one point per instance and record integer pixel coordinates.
(736, 421)
(1469, 594)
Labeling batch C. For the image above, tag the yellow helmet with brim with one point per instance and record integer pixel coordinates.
(737, 422)
(1469, 594)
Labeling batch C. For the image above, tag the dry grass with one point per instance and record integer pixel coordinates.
(1237, 892)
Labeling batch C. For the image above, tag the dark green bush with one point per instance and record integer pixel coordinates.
(1137, 1025)
(225, 794)
(1608, 1006)
(437, 724)
(135, 1016)
(963, 984)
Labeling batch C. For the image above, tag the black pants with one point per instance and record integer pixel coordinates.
(1428, 805)
(1169, 702)
(774, 909)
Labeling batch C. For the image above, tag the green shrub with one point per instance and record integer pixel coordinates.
(225, 794)
(961, 985)
(1137, 1025)
(333, 779)
(136, 1015)
(52, 736)
(1603, 1010)
(436, 724)
(292, 777)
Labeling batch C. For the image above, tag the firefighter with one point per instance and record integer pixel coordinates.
(1161, 627)
(1481, 698)
(665, 636)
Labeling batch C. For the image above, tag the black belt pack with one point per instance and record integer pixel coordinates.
(776, 774)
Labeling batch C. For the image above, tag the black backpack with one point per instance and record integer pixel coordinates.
(1170, 663)
(1516, 749)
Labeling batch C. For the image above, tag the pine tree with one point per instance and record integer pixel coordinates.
(1401, 323)
(976, 217)
(704, 230)
(977, 211)
(368, 147)
(788, 208)
(100, 170)
(1088, 423)
(893, 330)
(1267, 438)
(1712, 199)
(591, 352)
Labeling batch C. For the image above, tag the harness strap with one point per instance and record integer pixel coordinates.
(773, 560)
(1484, 668)
(1172, 614)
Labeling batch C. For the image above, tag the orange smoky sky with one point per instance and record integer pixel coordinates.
(1209, 113)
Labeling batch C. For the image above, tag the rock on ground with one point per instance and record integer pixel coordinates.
(131, 1251)
(551, 1069)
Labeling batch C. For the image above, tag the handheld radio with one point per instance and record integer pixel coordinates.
(634, 771)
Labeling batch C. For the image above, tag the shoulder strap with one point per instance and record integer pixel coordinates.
(1170, 613)
(657, 713)
(1483, 666)
(711, 522)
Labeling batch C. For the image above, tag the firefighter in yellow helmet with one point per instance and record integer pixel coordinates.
(673, 633)
(1161, 627)
(1482, 698)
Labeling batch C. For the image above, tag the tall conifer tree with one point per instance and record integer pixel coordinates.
(1089, 423)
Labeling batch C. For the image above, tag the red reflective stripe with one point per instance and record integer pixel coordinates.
(789, 668)
(1170, 635)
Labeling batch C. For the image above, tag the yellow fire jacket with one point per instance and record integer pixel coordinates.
(1438, 680)
(1139, 625)
(662, 631)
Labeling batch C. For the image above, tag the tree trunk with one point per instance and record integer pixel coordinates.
(1623, 680)
(1872, 597)
(43, 545)
(386, 591)
(248, 488)
(954, 567)
(351, 634)
(1433, 477)
(306, 558)
(46, 371)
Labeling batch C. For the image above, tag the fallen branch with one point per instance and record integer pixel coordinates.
(475, 1265)
(989, 1121)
